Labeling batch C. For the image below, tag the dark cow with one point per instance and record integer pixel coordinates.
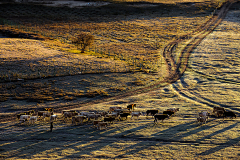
(123, 115)
(152, 112)
(170, 113)
(160, 117)
(215, 109)
(220, 113)
(109, 119)
(229, 114)
(131, 106)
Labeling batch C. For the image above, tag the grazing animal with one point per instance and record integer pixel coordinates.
(93, 116)
(202, 119)
(19, 115)
(229, 114)
(160, 117)
(131, 106)
(170, 113)
(69, 115)
(173, 109)
(101, 125)
(215, 109)
(109, 119)
(24, 118)
(95, 122)
(152, 112)
(40, 113)
(53, 117)
(33, 119)
(111, 109)
(136, 114)
(113, 114)
(220, 113)
(204, 114)
(47, 114)
(78, 118)
(103, 113)
(123, 115)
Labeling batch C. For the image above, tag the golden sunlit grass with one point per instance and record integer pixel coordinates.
(121, 29)
(179, 137)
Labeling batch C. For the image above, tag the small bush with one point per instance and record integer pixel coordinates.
(83, 40)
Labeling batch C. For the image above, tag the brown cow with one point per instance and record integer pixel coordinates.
(78, 118)
(202, 119)
(101, 125)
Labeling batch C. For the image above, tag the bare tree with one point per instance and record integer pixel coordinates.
(83, 40)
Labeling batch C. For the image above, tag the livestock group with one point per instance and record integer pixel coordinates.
(102, 119)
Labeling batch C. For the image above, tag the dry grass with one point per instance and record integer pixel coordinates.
(123, 28)
(179, 137)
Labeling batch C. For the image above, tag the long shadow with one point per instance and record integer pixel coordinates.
(97, 14)
(219, 131)
(85, 140)
(221, 146)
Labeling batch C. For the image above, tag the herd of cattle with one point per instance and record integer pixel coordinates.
(103, 118)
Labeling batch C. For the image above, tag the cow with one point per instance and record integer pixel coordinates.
(215, 109)
(19, 115)
(85, 113)
(109, 119)
(24, 118)
(202, 119)
(53, 117)
(170, 113)
(95, 122)
(229, 114)
(136, 114)
(93, 116)
(102, 113)
(111, 109)
(113, 114)
(152, 112)
(31, 112)
(100, 125)
(220, 113)
(69, 115)
(78, 118)
(123, 115)
(160, 117)
(173, 109)
(40, 113)
(47, 114)
(204, 114)
(33, 119)
(131, 106)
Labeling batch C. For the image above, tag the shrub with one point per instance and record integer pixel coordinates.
(83, 40)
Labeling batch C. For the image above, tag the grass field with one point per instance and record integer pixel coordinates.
(211, 80)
